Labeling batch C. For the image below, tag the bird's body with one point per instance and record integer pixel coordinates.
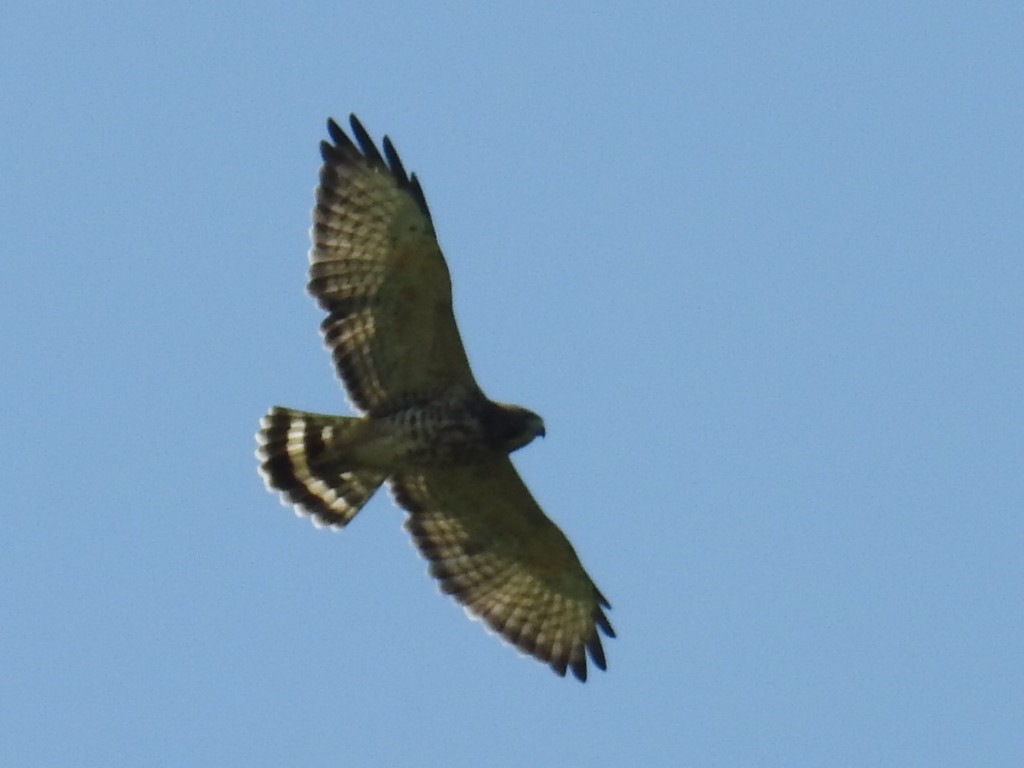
(433, 433)
(427, 429)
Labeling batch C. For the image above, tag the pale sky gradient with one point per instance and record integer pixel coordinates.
(759, 266)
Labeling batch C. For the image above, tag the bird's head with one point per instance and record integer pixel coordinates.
(510, 427)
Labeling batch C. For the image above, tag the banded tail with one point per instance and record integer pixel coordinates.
(297, 460)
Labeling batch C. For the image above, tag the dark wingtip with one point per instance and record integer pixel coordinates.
(369, 149)
(342, 149)
(395, 163)
(329, 153)
(579, 670)
(596, 651)
(602, 621)
(335, 132)
(559, 664)
(342, 146)
(417, 193)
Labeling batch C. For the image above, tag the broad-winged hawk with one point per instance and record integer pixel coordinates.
(427, 428)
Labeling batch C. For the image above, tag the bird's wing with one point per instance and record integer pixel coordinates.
(492, 547)
(377, 270)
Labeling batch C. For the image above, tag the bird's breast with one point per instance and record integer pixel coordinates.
(430, 434)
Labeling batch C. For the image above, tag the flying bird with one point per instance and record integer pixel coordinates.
(426, 428)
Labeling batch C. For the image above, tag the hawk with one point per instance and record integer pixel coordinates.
(426, 428)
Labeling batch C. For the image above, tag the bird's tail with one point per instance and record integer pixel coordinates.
(299, 459)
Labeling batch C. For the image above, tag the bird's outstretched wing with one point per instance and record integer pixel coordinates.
(377, 270)
(493, 548)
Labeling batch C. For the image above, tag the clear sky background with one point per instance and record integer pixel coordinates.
(759, 266)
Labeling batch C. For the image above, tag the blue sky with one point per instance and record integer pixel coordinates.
(758, 266)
